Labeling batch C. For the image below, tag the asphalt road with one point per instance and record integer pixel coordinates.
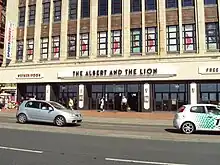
(40, 148)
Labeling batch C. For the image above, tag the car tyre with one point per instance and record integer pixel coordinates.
(188, 127)
(60, 121)
(22, 118)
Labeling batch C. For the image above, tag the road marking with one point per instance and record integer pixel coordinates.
(141, 162)
(21, 150)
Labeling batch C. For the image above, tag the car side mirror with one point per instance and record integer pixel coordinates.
(50, 108)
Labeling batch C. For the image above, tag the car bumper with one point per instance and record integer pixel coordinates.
(74, 120)
(177, 123)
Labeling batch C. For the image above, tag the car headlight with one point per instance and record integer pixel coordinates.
(73, 115)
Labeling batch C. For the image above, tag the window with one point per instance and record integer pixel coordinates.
(135, 5)
(210, 2)
(116, 42)
(85, 13)
(21, 16)
(45, 106)
(33, 104)
(73, 9)
(151, 39)
(102, 43)
(136, 41)
(116, 6)
(55, 47)
(72, 45)
(103, 7)
(20, 50)
(46, 12)
(32, 13)
(30, 49)
(189, 37)
(198, 109)
(150, 4)
(44, 48)
(186, 3)
(84, 44)
(172, 38)
(213, 109)
(171, 3)
(57, 10)
(212, 36)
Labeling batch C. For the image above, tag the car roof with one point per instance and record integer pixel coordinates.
(190, 105)
(37, 100)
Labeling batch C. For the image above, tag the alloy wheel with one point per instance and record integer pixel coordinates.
(188, 128)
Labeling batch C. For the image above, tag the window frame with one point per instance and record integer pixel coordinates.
(147, 33)
(20, 50)
(85, 8)
(115, 7)
(134, 41)
(54, 46)
(71, 38)
(73, 4)
(172, 38)
(215, 35)
(30, 43)
(42, 48)
(193, 37)
(21, 16)
(46, 13)
(102, 43)
(31, 15)
(112, 42)
(57, 10)
(81, 45)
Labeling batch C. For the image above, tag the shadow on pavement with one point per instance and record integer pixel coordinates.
(51, 124)
(197, 133)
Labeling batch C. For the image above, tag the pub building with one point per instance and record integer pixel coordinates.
(148, 87)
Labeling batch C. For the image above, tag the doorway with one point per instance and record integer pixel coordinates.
(133, 100)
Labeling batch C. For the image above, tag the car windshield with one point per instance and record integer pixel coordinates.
(57, 106)
(214, 109)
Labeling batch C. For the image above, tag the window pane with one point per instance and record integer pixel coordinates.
(103, 7)
(151, 39)
(85, 7)
(116, 6)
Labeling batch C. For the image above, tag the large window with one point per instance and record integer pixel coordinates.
(210, 2)
(189, 37)
(46, 12)
(151, 39)
(36, 90)
(67, 91)
(73, 9)
(55, 47)
(171, 3)
(102, 43)
(150, 4)
(44, 48)
(209, 93)
(116, 6)
(85, 10)
(173, 38)
(186, 3)
(20, 50)
(72, 45)
(32, 13)
(103, 7)
(57, 10)
(212, 36)
(135, 5)
(84, 44)
(136, 41)
(30, 49)
(21, 16)
(116, 42)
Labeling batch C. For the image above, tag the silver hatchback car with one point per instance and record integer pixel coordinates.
(47, 111)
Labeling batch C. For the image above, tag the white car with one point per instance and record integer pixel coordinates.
(197, 117)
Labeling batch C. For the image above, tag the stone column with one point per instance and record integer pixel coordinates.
(25, 31)
(193, 93)
(180, 26)
(50, 31)
(143, 28)
(109, 27)
(78, 30)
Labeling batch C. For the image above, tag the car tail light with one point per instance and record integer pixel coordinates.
(181, 109)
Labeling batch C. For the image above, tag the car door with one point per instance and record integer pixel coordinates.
(47, 112)
(214, 117)
(32, 109)
(201, 118)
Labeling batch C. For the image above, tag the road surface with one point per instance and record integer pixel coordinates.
(19, 147)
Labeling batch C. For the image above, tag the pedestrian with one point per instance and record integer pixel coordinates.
(71, 104)
(102, 104)
(75, 103)
(124, 102)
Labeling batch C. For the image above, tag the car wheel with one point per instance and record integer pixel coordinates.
(60, 121)
(22, 118)
(188, 128)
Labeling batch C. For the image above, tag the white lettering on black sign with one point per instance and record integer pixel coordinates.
(116, 72)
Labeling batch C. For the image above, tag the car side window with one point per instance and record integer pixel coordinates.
(33, 104)
(45, 106)
(198, 109)
(213, 109)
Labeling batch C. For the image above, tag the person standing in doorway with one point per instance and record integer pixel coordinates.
(102, 104)
(124, 103)
(71, 104)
